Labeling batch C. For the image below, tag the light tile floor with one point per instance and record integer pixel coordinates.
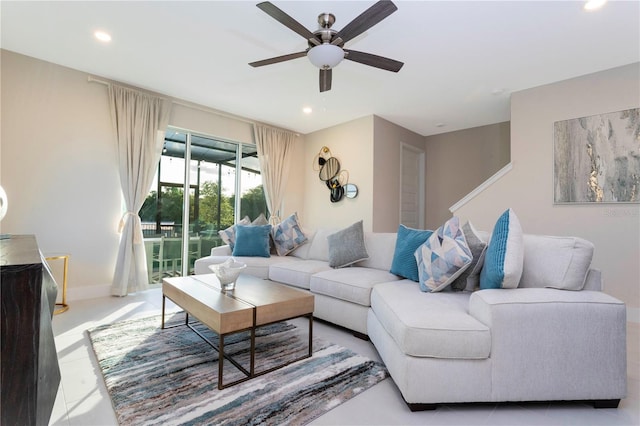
(83, 399)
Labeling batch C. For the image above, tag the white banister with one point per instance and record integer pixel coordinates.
(484, 185)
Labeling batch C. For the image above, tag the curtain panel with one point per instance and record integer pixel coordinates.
(139, 121)
(275, 150)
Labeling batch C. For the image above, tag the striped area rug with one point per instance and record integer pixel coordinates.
(169, 377)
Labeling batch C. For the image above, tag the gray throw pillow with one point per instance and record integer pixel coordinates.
(346, 246)
(470, 278)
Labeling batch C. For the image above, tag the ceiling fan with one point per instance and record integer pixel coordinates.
(326, 44)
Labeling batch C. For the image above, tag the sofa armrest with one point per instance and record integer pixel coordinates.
(593, 281)
(224, 250)
(554, 344)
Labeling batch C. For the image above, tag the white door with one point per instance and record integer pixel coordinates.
(412, 186)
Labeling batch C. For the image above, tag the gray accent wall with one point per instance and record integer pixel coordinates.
(457, 162)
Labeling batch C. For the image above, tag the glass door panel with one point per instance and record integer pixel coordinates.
(212, 182)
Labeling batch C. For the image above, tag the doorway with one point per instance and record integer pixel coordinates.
(412, 186)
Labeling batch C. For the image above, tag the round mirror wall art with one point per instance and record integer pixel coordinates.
(329, 169)
(3, 203)
(350, 190)
(337, 180)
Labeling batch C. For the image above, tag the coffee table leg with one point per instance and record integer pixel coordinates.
(310, 335)
(163, 300)
(220, 361)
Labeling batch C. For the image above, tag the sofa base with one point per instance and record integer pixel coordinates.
(597, 404)
(606, 403)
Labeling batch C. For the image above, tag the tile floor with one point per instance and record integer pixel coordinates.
(83, 399)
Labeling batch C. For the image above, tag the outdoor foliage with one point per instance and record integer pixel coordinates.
(215, 210)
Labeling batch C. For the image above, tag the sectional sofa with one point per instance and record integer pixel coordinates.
(555, 337)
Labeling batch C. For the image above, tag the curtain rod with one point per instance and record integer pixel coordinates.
(192, 106)
(95, 80)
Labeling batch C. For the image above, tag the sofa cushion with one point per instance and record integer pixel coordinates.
(380, 247)
(404, 262)
(504, 257)
(256, 266)
(296, 273)
(229, 235)
(346, 246)
(319, 249)
(556, 262)
(443, 257)
(287, 235)
(470, 278)
(434, 325)
(350, 284)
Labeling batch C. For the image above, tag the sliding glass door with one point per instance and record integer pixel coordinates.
(194, 196)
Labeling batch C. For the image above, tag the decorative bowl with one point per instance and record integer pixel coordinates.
(227, 273)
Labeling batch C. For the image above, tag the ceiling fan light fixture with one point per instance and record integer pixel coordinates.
(325, 56)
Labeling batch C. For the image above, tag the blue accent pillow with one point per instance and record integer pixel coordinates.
(404, 262)
(504, 258)
(228, 235)
(252, 240)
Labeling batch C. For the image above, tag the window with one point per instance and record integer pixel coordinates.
(217, 171)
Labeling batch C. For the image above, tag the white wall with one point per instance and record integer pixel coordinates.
(352, 144)
(58, 164)
(528, 188)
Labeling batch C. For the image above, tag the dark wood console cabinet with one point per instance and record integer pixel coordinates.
(29, 371)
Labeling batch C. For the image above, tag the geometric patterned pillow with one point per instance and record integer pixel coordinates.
(229, 235)
(287, 235)
(443, 257)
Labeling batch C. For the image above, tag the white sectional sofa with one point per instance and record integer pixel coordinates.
(530, 343)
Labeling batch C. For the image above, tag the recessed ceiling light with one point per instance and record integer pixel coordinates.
(440, 124)
(594, 4)
(102, 36)
(307, 110)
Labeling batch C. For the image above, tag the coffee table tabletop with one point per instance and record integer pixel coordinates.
(253, 303)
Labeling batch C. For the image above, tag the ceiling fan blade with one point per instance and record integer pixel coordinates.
(373, 60)
(366, 20)
(325, 80)
(278, 59)
(286, 20)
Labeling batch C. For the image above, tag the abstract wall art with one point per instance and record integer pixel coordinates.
(597, 158)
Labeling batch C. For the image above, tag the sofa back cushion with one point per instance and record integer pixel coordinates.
(556, 262)
(319, 249)
(380, 247)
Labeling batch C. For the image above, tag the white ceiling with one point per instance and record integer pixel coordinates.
(462, 58)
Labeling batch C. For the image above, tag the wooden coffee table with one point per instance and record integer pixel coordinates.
(254, 303)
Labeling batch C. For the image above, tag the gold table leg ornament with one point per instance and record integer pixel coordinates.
(63, 307)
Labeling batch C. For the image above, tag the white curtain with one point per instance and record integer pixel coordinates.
(139, 122)
(275, 148)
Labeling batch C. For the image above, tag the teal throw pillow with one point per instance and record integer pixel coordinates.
(443, 257)
(252, 240)
(504, 258)
(407, 242)
(228, 235)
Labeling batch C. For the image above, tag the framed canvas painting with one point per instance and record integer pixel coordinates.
(597, 158)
